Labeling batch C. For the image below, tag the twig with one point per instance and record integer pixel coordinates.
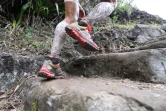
(18, 86)
(13, 105)
(2, 97)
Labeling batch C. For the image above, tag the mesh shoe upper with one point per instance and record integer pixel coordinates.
(50, 70)
(80, 31)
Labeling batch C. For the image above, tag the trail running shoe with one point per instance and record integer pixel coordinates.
(51, 69)
(80, 31)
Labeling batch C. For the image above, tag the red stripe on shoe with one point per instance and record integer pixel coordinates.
(76, 35)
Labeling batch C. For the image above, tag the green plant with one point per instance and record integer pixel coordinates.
(97, 28)
(114, 19)
(42, 7)
(155, 25)
(34, 106)
(33, 44)
(27, 12)
(122, 12)
(23, 9)
(15, 23)
(127, 25)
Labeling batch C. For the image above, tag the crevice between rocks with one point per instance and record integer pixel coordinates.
(130, 100)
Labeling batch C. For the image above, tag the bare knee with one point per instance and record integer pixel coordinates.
(71, 11)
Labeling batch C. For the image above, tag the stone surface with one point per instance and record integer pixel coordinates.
(143, 17)
(143, 33)
(15, 67)
(154, 45)
(94, 94)
(163, 27)
(145, 65)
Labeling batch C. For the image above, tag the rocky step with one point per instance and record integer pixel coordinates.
(142, 65)
(92, 94)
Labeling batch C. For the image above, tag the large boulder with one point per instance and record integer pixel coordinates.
(142, 33)
(81, 94)
(145, 65)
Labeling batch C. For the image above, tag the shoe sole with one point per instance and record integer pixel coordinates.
(50, 76)
(82, 41)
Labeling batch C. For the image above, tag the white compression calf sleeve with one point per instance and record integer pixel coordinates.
(59, 38)
(100, 12)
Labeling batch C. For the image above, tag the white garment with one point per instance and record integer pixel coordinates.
(59, 38)
(100, 12)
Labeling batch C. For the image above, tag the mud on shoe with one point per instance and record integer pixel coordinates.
(51, 69)
(80, 31)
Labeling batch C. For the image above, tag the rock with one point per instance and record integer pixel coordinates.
(127, 13)
(143, 17)
(143, 33)
(15, 67)
(145, 65)
(95, 94)
(154, 45)
(163, 27)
